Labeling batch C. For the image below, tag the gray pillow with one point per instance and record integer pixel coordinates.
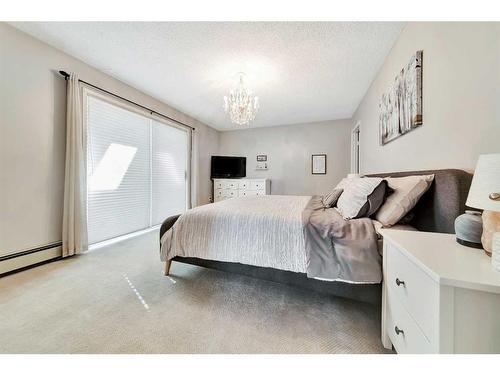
(374, 201)
(331, 198)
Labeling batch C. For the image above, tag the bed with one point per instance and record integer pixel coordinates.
(271, 237)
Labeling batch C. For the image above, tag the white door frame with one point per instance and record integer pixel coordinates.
(355, 148)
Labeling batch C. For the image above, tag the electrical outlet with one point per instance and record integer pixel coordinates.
(261, 166)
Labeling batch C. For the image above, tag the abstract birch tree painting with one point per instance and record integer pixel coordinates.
(401, 106)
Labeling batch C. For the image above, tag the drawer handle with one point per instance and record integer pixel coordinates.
(399, 282)
(398, 331)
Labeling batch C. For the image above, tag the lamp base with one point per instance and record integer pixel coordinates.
(491, 224)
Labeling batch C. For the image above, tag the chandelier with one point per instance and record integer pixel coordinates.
(241, 104)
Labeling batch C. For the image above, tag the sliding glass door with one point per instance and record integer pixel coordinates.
(138, 169)
(169, 168)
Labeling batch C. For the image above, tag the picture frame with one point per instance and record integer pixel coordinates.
(400, 107)
(318, 164)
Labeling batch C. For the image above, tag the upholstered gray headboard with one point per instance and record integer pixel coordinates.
(443, 202)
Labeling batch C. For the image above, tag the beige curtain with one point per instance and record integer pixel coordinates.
(194, 169)
(74, 235)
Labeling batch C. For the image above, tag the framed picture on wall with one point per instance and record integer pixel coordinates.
(400, 107)
(318, 164)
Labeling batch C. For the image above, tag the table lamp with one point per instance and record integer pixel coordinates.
(484, 193)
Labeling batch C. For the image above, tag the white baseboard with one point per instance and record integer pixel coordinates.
(27, 260)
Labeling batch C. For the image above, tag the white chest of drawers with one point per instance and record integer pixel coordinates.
(438, 296)
(241, 187)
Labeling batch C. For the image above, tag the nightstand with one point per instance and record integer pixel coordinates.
(438, 296)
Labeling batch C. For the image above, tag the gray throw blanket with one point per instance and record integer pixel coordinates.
(339, 249)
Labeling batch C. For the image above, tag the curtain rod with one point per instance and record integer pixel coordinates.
(66, 76)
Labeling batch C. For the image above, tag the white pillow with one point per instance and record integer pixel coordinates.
(355, 195)
(342, 183)
(407, 192)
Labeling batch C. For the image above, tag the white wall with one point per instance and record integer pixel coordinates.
(461, 85)
(32, 137)
(289, 149)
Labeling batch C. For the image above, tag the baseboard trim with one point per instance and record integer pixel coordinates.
(28, 258)
(30, 251)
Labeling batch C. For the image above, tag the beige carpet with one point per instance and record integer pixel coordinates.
(116, 300)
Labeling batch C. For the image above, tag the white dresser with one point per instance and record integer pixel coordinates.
(240, 187)
(438, 296)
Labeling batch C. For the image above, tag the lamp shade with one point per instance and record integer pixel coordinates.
(486, 181)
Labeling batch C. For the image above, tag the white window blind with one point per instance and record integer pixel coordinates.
(169, 168)
(137, 170)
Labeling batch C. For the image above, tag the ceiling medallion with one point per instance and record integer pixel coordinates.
(241, 104)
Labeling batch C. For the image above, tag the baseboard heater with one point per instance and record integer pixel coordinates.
(29, 258)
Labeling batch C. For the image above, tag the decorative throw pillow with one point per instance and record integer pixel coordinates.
(351, 203)
(407, 192)
(331, 198)
(374, 201)
(376, 198)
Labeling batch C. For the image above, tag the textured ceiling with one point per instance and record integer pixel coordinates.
(302, 72)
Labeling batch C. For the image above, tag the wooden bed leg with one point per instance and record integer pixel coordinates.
(168, 263)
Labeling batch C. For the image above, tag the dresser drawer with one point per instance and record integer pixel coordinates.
(253, 193)
(409, 339)
(414, 290)
(227, 193)
(243, 184)
(232, 185)
(219, 193)
(218, 185)
(258, 185)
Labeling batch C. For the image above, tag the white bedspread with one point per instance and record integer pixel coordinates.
(265, 231)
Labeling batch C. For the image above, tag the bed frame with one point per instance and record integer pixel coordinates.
(435, 212)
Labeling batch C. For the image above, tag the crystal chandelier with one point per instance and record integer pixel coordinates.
(241, 104)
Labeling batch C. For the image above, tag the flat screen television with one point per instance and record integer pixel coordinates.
(228, 167)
